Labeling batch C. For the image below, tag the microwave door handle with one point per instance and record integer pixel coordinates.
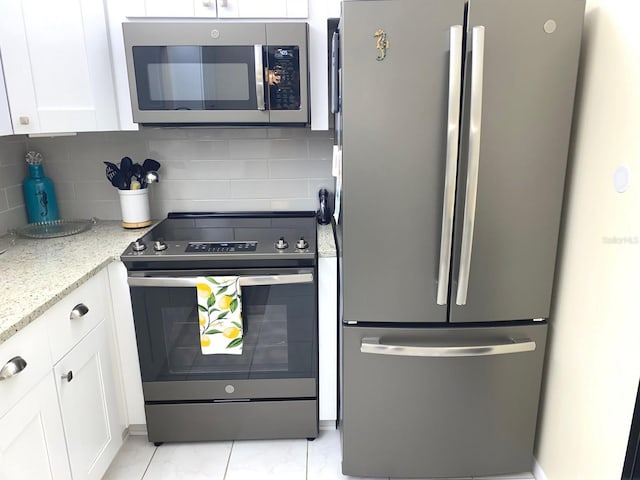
(259, 76)
(453, 133)
(249, 281)
(473, 165)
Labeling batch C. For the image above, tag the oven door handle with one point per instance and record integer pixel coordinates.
(244, 281)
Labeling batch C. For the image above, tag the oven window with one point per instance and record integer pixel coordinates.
(195, 77)
(280, 335)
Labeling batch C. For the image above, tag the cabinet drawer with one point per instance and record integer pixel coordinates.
(73, 317)
(31, 345)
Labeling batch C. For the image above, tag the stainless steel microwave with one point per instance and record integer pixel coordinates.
(204, 72)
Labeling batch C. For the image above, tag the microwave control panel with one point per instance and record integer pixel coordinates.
(283, 77)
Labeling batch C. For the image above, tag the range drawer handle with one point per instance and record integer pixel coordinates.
(12, 367)
(374, 345)
(78, 311)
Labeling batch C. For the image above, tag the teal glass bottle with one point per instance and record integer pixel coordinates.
(40, 196)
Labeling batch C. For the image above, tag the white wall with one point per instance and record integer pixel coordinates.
(593, 363)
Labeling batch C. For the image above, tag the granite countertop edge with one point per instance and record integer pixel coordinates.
(35, 281)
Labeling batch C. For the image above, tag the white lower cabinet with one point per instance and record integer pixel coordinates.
(328, 337)
(31, 437)
(87, 396)
(59, 415)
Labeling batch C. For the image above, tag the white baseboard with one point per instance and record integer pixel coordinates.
(327, 425)
(138, 429)
(538, 473)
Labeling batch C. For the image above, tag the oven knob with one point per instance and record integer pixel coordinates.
(138, 246)
(281, 244)
(302, 244)
(159, 245)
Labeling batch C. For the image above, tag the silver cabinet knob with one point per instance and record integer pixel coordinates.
(78, 311)
(12, 367)
(68, 376)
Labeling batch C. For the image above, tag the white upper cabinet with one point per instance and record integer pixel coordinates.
(262, 8)
(5, 116)
(218, 8)
(57, 66)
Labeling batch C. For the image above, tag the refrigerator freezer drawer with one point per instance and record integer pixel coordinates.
(440, 402)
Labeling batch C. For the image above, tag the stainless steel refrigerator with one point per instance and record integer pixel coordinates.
(454, 123)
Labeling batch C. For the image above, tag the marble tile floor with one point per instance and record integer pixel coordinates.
(239, 460)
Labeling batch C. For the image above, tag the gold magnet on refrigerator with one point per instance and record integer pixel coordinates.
(381, 44)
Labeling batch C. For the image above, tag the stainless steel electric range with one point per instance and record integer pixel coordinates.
(271, 389)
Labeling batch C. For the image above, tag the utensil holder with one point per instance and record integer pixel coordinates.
(134, 205)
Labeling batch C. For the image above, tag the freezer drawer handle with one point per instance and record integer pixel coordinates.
(519, 345)
(453, 131)
(244, 281)
(473, 165)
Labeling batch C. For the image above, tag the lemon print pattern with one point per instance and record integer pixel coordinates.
(219, 315)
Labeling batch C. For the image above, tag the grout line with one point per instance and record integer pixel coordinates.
(149, 464)
(226, 468)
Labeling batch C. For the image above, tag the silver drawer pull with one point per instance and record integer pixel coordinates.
(78, 311)
(12, 368)
(67, 376)
(375, 345)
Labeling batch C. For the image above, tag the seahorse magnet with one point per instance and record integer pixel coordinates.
(381, 44)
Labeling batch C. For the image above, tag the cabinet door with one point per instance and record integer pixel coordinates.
(86, 390)
(56, 65)
(5, 117)
(32, 440)
(263, 9)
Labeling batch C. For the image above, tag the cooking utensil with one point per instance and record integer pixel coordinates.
(150, 164)
(150, 177)
(137, 173)
(125, 169)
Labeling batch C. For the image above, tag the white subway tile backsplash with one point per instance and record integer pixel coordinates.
(203, 169)
(4, 203)
(95, 191)
(299, 169)
(192, 189)
(214, 170)
(11, 175)
(170, 150)
(268, 189)
(15, 197)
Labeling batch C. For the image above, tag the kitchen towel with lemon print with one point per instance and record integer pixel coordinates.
(220, 315)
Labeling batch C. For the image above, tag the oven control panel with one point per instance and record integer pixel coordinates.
(221, 247)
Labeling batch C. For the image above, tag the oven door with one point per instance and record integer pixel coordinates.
(280, 350)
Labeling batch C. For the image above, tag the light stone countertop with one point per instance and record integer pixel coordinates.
(36, 274)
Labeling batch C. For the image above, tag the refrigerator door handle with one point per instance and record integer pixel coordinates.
(453, 134)
(513, 345)
(475, 121)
